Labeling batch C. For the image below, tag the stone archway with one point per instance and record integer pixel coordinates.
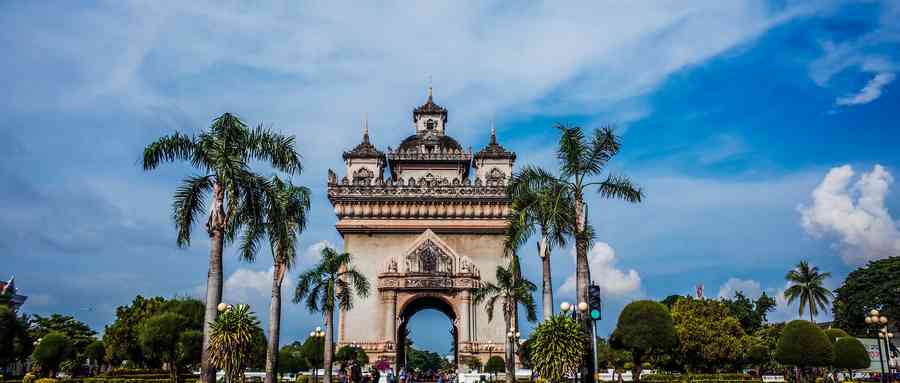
(416, 304)
(429, 275)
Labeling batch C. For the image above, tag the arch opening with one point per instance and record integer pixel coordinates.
(410, 310)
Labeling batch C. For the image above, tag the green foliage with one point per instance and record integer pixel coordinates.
(474, 364)
(121, 337)
(333, 280)
(802, 344)
(850, 354)
(644, 328)
(873, 286)
(290, 360)
(495, 364)
(670, 300)
(423, 361)
(345, 354)
(52, 349)
(95, 351)
(807, 285)
(16, 343)
(557, 348)
(750, 314)
(835, 333)
(709, 338)
(231, 341)
(190, 347)
(159, 337)
(79, 334)
(511, 290)
(758, 355)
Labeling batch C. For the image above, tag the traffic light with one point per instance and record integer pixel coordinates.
(595, 302)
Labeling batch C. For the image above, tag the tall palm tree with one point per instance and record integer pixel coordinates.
(806, 284)
(511, 290)
(222, 155)
(545, 206)
(285, 210)
(331, 285)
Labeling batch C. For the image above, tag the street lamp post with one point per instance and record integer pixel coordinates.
(513, 338)
(317, 333)
(879, 322)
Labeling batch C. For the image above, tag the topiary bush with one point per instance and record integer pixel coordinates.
(644, 327)
(835, 333)
(850, 354)
(53, 349)
(803, 345)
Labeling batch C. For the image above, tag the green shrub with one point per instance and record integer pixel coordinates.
(835, 333)
(803, 344)
(850, 354)
(302, 379)
(557, 348)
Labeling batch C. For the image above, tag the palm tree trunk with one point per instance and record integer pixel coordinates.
(582, 278)
(329, 344)
(510, 364)
(811, 319)
(274, 323)
(213, 294)
(547, 286)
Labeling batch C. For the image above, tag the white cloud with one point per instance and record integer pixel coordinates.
(612, 281)
(314, 252)
(253, 287)
(748, 287)
(868, 93)
(857, 215)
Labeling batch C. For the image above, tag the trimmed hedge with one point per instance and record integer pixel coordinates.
(698, 378)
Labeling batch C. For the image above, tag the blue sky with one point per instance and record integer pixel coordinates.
(764, 133)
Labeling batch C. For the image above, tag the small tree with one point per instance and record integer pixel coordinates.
(96, 352)
(345, 354)
(495, 364)
(850, 354)
(644, 328)
(232, 340)
(159, 337)
(556, 348)
(51, 351)
(474, 364)
(803, 345)
(190, 347)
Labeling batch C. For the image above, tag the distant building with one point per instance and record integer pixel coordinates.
(8, 294)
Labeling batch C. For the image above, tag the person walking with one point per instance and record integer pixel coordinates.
(355, 372)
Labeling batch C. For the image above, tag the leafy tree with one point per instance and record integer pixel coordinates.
(850, 354)
(610, 357)
(758, 355)
(474, 364)
(121, 337)
(751, 314)
(285, 208)
(190, 345)
(708, 336)
(345, 354)
(670, 300)
(644, 328)
(78, 333)
(511, 290)
(291, 361)
(231, 341)
(802, 344)
(806, 284)
(557, 348)
(330, 285)
(222, 154)
(16, 343)
(495, 364)
(542, 204)
(159, 336)
(424, 361)
(313, 351)
(96, 353)
(52, 349)
(874, 286)
(835, 333)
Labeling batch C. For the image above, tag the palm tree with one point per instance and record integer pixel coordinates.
(806, 284)
(511, 290)
(333, 280)
(543, 205)
(222, 155)
(231, 341)
(285, 211)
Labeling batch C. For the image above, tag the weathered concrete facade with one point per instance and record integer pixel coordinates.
(426, 234)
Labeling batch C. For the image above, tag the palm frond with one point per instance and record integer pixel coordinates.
(188, 203)
(620, 187)
(169, 148)
(266, 145)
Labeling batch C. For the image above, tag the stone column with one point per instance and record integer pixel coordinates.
(465, 319)
(390, 316)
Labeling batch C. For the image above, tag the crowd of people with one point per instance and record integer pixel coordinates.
(353, 373)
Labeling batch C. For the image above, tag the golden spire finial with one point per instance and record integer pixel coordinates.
(493, 133)
(429, 87)
(366, 124)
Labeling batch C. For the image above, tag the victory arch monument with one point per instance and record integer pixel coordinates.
(425, 222)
